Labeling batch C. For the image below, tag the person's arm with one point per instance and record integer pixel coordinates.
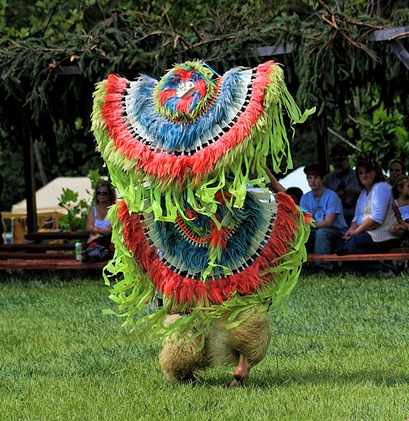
(327, 222)
(397, 214)
(103, 231)
(354, 222)
(90, 221)
(380, 202)
(367, 225)
(381, 196)
(274, 184)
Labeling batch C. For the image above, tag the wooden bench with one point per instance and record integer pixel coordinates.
(400, 253)
(36, 255)
(36, 247)
(40, 254)
(49, 264)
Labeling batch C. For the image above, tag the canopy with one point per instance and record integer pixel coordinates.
(296, 178)
(47, 196)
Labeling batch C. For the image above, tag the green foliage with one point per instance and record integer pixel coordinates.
(95, 177)
(77, 211)
(39, 41)
(385, 135)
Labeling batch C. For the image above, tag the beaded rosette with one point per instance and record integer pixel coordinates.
(182, 153)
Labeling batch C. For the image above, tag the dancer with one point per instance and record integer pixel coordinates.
(181, 152)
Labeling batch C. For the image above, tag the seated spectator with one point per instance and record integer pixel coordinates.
(296, 193)
(99, 245)
(1, 218)
(400, 191)
(325, 206)
(343, 181)
(369, 230)
(396, 169)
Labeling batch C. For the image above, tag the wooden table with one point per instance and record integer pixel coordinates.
(57, 235)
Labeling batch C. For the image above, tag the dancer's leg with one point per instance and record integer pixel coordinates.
(242, 372)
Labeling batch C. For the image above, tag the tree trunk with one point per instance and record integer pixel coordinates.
(322, 142)
(29, 180)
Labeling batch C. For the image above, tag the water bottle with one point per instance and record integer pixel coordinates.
(78, 251)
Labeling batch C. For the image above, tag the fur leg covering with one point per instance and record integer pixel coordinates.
(223, 346)
(180, 362)
(251, 338)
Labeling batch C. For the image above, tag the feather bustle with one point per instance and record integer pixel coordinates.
(203, 161)
(186, 290)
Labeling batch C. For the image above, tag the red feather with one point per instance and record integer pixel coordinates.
(165, 95)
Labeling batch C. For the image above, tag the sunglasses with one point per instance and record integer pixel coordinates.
(102, 192)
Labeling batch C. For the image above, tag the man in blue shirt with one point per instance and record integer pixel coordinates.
(325, 206)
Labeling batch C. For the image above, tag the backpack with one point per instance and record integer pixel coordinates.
(97, 253)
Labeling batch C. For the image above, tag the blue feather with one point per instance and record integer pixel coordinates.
(174, 244)
(175, 136)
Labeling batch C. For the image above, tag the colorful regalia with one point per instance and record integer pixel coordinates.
(182, 153)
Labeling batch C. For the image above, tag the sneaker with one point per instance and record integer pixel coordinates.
(342, 251)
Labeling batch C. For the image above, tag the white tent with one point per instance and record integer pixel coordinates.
(47, 196)
(296, 178)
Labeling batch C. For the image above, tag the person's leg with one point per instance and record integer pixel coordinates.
(325, 240)
(359, 244)
(310, 244)
(398, 230)
(241, 374)
(362, 244)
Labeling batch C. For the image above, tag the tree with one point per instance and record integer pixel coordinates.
(53, 52)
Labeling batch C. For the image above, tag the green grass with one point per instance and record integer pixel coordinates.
(340, 353)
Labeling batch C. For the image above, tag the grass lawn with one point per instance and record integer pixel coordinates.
(340, 353)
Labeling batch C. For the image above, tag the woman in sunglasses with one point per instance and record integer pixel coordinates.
(97, 224)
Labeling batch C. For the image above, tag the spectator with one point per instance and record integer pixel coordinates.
(1, 218)
(99, 245)
(343, 181)
(296, 193)
(400, 191)
(326, 209)
(369, 230)
(396, 169)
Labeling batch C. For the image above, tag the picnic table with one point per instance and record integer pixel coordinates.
(53, 249)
